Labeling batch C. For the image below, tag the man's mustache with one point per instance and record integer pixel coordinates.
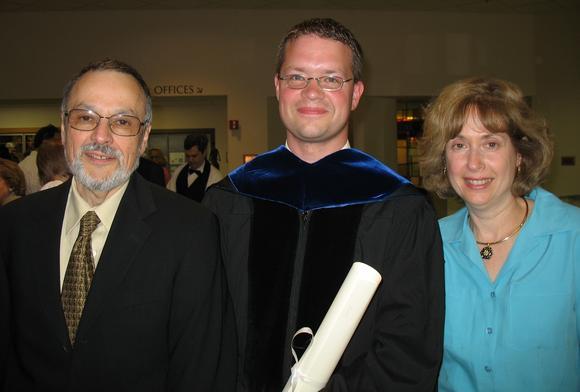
(102, 148)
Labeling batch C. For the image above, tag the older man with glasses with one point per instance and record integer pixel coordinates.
(96, 294)
(293, 221)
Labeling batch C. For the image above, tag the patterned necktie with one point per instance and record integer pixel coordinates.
(79, 274)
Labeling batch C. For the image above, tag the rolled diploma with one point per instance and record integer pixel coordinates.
(313, 370)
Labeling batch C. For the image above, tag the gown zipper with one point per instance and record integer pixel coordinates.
(303, 226)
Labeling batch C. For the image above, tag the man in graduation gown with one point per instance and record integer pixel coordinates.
(293, 220)
(196, 175)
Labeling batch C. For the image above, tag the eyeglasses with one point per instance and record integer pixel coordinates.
(327, 83)
(119, 124)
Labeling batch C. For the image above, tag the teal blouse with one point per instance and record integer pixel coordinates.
(521, 332)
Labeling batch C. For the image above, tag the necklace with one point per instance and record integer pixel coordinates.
(487, 251)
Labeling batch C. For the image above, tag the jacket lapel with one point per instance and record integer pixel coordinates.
(124, 241)
(48, 227)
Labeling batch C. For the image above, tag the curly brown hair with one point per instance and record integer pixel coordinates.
(13, 175)
(501, 107)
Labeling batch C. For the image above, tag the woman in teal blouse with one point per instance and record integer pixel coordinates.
(512, 255)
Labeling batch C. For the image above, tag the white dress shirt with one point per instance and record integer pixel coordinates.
(346, 145)
(76, 207)
(214, 176)
(30, 170)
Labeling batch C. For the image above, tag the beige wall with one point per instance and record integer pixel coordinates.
(558, 94)
(29, 114)
(193, 112)
(231, 53)
(375, 129)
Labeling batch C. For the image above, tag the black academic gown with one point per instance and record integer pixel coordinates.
(290, 232)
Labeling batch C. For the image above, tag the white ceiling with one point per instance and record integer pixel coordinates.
(477, 6)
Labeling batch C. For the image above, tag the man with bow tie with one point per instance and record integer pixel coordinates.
(196, 175)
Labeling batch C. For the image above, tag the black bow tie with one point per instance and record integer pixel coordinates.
(190, 171)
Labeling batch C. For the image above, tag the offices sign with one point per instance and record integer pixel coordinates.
(176, 90)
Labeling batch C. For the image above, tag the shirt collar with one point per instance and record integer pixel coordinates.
(201, 167)
(78, 207)
(346, 145)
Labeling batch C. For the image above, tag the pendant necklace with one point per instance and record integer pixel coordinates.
(487, 251)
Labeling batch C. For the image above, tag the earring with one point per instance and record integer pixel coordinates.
(444, 170)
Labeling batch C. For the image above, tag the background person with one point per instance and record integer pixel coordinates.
(12, 182)
(13, 153)
(151, 171)
(28, 164)
(196, 175)
(6, 153)
(512, 255)
(157, 156)
(215, 157)
(53, 168)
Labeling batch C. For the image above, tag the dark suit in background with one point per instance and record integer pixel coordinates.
(151, 171)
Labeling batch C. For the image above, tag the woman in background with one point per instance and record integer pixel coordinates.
(12, 182)
(157, 156)
(512, 255)
(53, 169)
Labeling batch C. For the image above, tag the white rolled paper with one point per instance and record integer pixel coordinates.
(313, 370)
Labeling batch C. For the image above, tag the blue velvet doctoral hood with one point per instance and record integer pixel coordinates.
(346, 177)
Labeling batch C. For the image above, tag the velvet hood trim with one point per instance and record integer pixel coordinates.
(343, 178)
